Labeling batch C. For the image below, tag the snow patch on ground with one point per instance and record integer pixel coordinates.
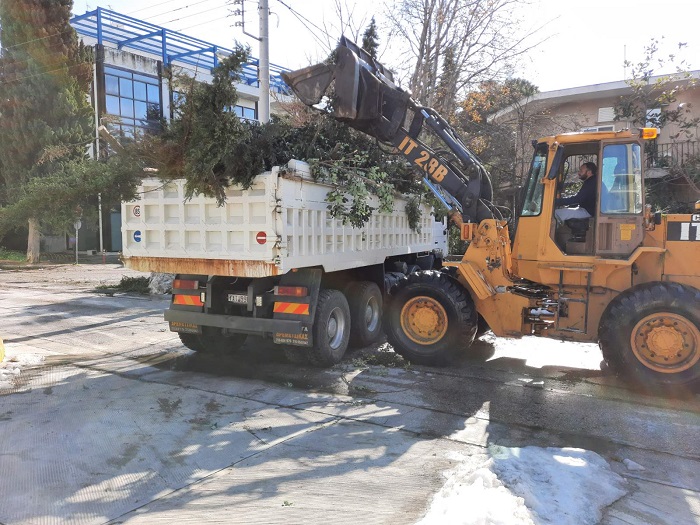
(11, 367)
(523, 486)
(160, 283)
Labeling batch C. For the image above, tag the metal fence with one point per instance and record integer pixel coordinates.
(670, 154)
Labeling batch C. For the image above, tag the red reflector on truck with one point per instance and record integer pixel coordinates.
(188, 300)
(182, 284)
(292, 291)
(292, 308)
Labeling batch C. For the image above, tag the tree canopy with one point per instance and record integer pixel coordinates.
(45, 111)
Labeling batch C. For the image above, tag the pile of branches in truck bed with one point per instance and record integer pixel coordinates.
(209, 146)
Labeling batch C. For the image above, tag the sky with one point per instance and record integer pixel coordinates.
(583, 43)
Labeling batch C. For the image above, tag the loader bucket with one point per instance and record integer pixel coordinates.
(310, 83)
(361, 92)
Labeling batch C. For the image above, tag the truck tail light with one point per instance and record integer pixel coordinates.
(292, 291)
(184, 284)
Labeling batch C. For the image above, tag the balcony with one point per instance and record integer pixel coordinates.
(673, 154)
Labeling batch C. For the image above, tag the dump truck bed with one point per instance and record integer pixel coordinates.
(280, 223)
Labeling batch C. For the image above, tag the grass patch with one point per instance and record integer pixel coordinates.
(12, 255)
(127, 285)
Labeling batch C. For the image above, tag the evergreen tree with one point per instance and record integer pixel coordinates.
(370, 39)
(46, 115)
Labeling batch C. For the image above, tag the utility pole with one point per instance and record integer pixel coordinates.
(264, 63)
(264, 55)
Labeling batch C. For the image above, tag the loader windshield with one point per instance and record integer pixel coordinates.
(533, 192)
(621, 190)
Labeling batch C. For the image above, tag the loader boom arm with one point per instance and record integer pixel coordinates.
(365, 97)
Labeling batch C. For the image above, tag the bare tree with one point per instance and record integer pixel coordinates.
(480, 38)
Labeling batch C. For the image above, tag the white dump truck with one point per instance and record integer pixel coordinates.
(273, 262)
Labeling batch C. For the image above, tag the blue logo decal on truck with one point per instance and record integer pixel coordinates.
(137, 235)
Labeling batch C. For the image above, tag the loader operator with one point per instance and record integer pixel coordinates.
(585, 199)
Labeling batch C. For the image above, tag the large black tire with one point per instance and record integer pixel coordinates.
(297, 355)
(191, 341)
(430, 318)
(651, 335)
(365, 302)
(213, 341)
(331, 331)
(482, 327)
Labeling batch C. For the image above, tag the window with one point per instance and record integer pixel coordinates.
(245, 113)
(534, 189)
(134, 99)
(606, 114)
(653, 118)
(621, 180)
(610, 127)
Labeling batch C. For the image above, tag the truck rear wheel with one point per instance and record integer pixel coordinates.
(365, 302)
(652, 335)
(430, 318)
(331, 332)
(191, 341)
(213, 341)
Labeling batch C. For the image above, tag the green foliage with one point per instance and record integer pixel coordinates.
(493, 141)
(53, 198)
(127, 284)
(47, 121)
(658, 94)
(201, 144)
(47, 118)
(11, 255)
(370, 39)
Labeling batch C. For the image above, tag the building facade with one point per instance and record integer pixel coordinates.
(132, 90)
(591, 108)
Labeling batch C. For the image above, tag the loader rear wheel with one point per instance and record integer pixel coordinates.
(652, 335)
(430, 318)
(365, 301)
(331, 331)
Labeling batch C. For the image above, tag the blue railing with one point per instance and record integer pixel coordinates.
(170, 46)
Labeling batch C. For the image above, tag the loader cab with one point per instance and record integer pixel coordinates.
(616, 228)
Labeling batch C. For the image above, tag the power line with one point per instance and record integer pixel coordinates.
(190, 16)
(35, 40)
(302, 19)
(176, 9)
(150, 7)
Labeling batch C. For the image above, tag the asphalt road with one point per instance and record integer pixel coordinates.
(111, 420)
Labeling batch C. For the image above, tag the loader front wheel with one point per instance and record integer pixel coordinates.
(430, 319)
(652, 335)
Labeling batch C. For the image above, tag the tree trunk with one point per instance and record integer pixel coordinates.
(33, 244)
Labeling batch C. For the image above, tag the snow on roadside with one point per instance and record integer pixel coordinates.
(11, 367)
(523, 486)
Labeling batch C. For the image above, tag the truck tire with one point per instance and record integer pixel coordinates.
(191, 341)
(430, 318)
(296, 355)
(651, 335)
(331, 331)
(213, 341)
(365, 302)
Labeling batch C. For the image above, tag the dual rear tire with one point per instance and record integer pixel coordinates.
(213, 341)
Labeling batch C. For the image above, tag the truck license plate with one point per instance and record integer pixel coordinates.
(238, 298)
